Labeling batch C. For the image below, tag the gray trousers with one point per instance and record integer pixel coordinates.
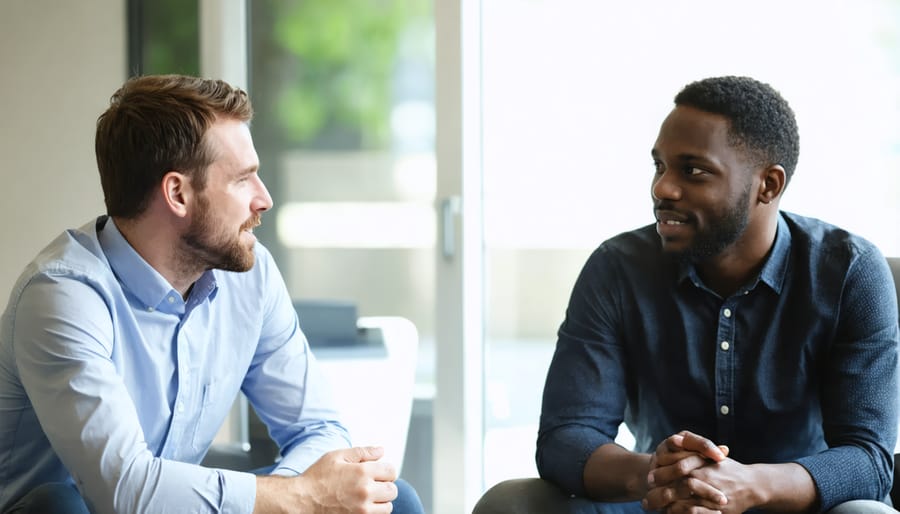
(536, 496)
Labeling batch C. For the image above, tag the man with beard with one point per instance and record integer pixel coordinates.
(125, 342)
(752, 352)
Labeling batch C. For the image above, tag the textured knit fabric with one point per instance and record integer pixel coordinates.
(799, 365)
(113, 382)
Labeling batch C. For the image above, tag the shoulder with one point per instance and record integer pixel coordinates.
(75, 254)
(634, 257)
(823, 243)
(637, 248)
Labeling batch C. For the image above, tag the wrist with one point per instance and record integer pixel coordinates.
(636, 486)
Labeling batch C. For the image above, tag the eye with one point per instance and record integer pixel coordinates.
(693, 171)
(658, 167)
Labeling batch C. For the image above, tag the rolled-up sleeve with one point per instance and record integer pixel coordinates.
(63, 343)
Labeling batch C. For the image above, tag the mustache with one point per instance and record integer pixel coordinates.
(252, 223)
(664, 205)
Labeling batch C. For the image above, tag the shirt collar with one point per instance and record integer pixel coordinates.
(773, 271)
(140, 279)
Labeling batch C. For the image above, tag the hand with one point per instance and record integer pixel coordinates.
(341, 481)
(733, 479)
(671, 466)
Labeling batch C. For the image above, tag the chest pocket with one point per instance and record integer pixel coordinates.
(214, 406)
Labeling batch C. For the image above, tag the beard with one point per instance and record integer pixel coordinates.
(728, 227)
(209, 245)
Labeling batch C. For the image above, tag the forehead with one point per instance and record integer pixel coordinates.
(691, 131)
(230, 142)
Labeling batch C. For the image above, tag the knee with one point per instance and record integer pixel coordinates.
(407, 501)
(521, 496)
(862, 507)
(53, 497)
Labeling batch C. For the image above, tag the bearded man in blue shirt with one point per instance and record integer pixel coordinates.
(752, 352)
(125, 342)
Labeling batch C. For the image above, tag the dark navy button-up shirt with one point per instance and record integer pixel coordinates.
(799, 365)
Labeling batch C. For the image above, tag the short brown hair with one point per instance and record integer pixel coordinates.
(156, 124)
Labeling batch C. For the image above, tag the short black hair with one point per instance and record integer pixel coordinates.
(760, 118)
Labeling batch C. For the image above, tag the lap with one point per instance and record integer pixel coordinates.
(536, 496)
(56, 497)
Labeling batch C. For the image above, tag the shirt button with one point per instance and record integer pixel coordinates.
(724, 410)
(171, 299)
(181, 407)
(725, 346)
(727, 313)
(149, 309)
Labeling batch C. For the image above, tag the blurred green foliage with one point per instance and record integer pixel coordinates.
(338, 59)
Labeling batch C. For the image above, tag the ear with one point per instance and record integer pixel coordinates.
(176, 192)
(771, 184)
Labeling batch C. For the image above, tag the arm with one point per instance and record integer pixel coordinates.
(859, 389)
(584, 394)
(63, 342)
(351, 480)
(285, 385)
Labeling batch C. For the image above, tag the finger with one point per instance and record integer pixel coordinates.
(659, 498)
(690, 507)
(701, 491)
(669, 458)
(363, 453)
(664, 475)
(701, 445)
(381, 471)
(383, 492)
(673, 443)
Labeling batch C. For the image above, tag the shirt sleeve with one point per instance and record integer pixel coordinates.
(859, 397)
(286, 387)
(63, 345)
(584, 394)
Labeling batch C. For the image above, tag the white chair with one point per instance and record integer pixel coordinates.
(372, 388)
(375, 393)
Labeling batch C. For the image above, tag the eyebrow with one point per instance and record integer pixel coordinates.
(682, 156)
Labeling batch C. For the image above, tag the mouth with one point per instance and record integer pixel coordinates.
(672, 225)
(250, 224)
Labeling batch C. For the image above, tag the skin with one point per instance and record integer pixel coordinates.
(185, 232)
(700, 180)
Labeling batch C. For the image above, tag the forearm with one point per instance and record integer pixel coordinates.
(782, 488)
(276, 494)
(613, 473)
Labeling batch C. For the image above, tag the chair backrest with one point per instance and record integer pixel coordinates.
(375, 392)
(894, 263)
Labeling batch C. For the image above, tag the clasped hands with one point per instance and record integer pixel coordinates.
(689, 473)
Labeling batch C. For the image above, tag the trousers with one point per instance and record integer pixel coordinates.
(536, 496)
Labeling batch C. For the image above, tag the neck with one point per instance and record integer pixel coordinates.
(158, 243)
(731, 269)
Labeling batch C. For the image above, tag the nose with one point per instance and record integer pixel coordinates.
(665, 186)
(262, 200)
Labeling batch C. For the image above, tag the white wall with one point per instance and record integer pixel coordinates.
(59, 64)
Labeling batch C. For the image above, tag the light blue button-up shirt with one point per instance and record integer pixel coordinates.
(110, 379)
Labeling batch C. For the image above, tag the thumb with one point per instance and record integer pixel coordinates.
(724, 449)
(364, 453)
